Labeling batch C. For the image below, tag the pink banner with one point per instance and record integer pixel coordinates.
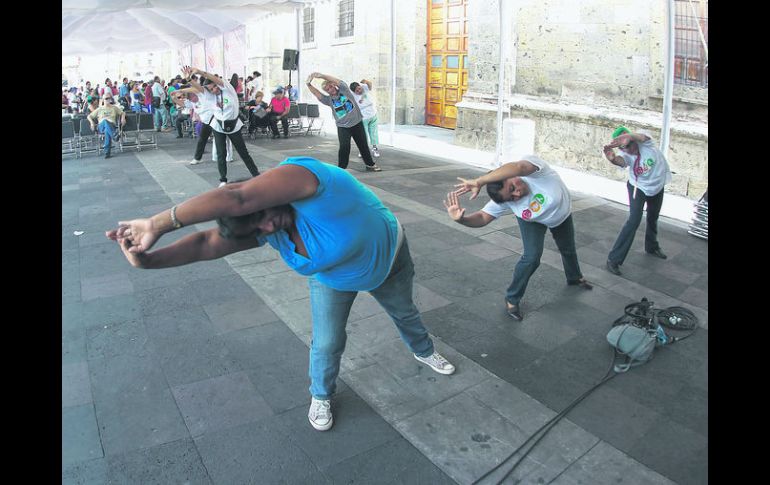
(198, 56)
(183, 55)
(235, 51)
(214, 61)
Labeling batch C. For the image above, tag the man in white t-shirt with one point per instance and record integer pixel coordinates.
(648, 173)
(536, 195)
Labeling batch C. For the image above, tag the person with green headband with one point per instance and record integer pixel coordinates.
(648, 173)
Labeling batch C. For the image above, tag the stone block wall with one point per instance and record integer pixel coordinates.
(364, 55)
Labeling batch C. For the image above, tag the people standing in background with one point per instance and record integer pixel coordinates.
(347, 116)
(365, 100)
(148, 96)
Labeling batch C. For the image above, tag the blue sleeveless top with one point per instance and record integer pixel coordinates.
(349, 235)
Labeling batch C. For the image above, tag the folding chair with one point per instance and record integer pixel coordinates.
(88, 139)
(295, 122)
(68, 138)
(146, 127)
(314, 116)
(129, 136)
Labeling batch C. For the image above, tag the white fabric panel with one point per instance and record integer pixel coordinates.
(123, 26)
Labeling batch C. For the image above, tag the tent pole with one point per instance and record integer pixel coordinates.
(299, 57)
(500, 84)
(392, 70)
(668, 86)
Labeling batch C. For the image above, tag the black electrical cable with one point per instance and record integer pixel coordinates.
(546, 427)
(639, 314)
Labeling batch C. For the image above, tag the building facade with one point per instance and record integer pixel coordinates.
(576, 69)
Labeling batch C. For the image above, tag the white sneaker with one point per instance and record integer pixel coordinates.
(222, 184)
(437, 363)
(376, 152)
(320, 414)
(359, 155)
(230, 161)
(195, 162)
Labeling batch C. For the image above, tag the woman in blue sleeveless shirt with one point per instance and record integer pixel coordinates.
(326, 225)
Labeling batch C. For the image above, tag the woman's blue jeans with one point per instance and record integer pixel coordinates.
(636, 204)
(330, 309)
(533, 238)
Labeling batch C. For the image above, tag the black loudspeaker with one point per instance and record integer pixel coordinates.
(290, 59)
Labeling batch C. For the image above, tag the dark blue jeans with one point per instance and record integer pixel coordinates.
(626, 237)
(533, 237)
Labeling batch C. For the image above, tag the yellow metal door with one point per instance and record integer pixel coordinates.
(447, 61)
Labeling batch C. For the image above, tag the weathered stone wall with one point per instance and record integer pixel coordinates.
(573, 136)
(583, 68)
(364, 55)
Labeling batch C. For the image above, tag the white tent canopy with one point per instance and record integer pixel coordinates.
(123, 26)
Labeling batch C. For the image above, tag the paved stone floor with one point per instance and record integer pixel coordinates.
(198, 374)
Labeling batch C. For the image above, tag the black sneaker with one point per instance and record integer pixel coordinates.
(107, 155)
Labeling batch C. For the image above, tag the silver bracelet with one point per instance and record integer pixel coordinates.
(174, 221)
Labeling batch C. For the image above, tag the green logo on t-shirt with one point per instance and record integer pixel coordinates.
(539, 198)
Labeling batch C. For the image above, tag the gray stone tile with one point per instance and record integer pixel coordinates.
(166, 463)
(695, 296)
(166, 329)
(79, 434)
(395, 462)
(75, 385)
(689, 408)
(604, 465)
(499, 353)
(383, 391)
(414, 375)
(630, 421)
(553, 380)
(220, 402)
(239, 314)
(118, 339)
(72, 316)
(106, 286)
(548, 459)
(195, 359)
(73, 346)
(257, 452)
(674, 451)
(488, 251)
(511, 403)
(453, 323)
(371, 331)
(85, 472)
(284, 385)
(170, 299)
(478, 440)
(357, 428)
(263, 345)
(544, 331)
(133, 404)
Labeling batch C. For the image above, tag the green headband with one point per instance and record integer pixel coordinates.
(619, 131)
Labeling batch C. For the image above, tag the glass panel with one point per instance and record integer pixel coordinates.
(452, 62)
(438, 2)
(466, 62)
(435, 61)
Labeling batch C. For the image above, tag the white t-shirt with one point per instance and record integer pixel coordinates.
(228, 111)
(159, 92)
(547, 203)
(366, 103)
(652, 169)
